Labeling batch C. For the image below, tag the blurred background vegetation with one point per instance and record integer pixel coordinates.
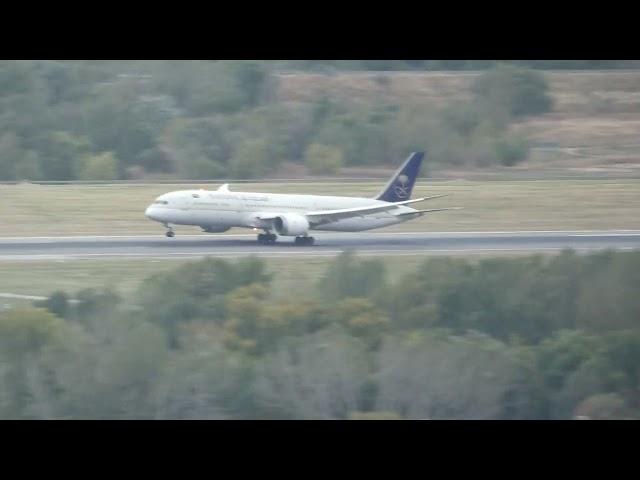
(103, 120)
(544, 337)
(548, 337)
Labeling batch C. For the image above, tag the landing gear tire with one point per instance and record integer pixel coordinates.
(304, 241)
(266, 238)
(170, 234)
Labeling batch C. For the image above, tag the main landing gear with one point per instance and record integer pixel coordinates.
(267, 238)
(304, 241)
(270, 239)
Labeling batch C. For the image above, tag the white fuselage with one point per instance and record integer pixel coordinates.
(217, 211)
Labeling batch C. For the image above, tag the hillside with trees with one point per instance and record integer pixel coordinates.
(106, 120)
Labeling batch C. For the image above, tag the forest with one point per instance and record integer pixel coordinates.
(527, 337)
(110, 120)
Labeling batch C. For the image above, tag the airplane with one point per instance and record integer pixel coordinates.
(291, 214)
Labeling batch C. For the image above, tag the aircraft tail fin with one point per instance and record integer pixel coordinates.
(400, 186)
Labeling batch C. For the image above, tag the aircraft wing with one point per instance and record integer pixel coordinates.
(421, 212)
(321, 217)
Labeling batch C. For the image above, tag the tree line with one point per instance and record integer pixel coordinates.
(104, 120)
(534, 337)
(394, 65)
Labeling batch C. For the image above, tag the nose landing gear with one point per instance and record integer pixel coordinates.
(170, 233)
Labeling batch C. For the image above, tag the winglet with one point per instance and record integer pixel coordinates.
(224, 188)
(401, 184)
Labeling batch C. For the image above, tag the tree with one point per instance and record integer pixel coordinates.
(196, 291)
(496, 292)
(516, 90)
(361, 318)
(511, 150)
(607, 300)
(323, 159)
(24, 335)
(103, 166)
(250, 77)
(57, 303)
(461, 117)
(608, 406)
(562, 354)
(16, 162)
(361, 132)
(443, 377)
(61, 154)
(92, 302)
(414, 302)
(286, 128)
(203, 381)
(374, 416)
(348, 276)
(578, 366)
(10, 155)
(119, 121)
(319, 376)
(558, 359)
(29, 167)
(110, 376)
(255, 326)
(252, 159)
(27, 330)
(16, 77)
(198, 148)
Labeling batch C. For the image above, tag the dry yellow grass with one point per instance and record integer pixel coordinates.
(42, 277)
(572, 91)
(39, 210)
(592, 130)
(591, 108)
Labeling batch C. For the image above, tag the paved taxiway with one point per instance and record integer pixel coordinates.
(327, 244)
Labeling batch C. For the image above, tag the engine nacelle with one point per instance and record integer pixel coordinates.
(215, 229)
(291, 224)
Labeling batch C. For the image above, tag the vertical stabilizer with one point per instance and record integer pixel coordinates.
(401, 184)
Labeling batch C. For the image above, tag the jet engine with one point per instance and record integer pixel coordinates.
(291, 224)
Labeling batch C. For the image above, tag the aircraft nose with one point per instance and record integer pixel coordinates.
(149, 212)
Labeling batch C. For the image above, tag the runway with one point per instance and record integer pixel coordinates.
(327, 244)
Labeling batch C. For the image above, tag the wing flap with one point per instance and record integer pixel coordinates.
(326, 216)
(421, 212)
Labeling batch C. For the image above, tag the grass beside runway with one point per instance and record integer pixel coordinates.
(292, 276)
(59, 210)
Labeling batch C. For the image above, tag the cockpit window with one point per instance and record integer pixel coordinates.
(161, 202)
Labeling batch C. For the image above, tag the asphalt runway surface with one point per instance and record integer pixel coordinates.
(327, 244)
